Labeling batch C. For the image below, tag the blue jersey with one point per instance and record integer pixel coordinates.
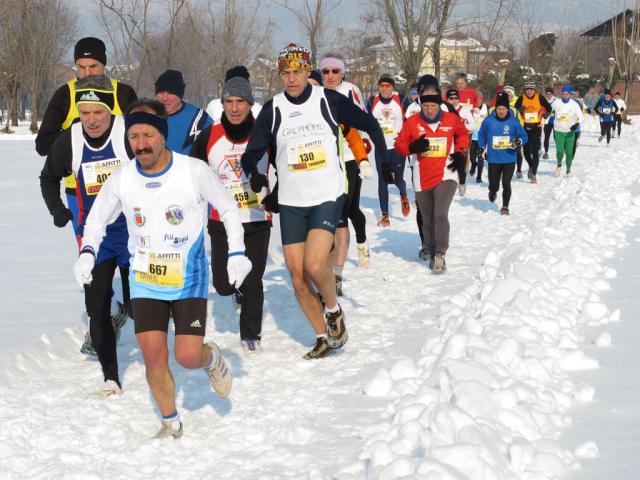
(184, 126)
(496, 135)
(93, 166)
(606, 109)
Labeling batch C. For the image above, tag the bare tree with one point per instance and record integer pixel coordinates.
(46, 30)
(11, 66)
(625, 32)
(443, 12)
(312, 15)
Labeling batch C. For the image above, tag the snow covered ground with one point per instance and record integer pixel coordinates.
(473, 374)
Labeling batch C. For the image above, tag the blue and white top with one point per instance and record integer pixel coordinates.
(165, 215)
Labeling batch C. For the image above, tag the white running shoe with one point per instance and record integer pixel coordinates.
(250, 346)
(363, 255)
(219, 373)
(462, 189)
(109, 389)
(167, 431)
(557, 171)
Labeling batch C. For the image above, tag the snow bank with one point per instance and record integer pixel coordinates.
(490, 392)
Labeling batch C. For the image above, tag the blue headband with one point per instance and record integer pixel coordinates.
(148, 118)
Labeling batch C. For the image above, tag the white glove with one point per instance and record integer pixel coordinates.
(238, 267)
(83, 267)
(366, 172)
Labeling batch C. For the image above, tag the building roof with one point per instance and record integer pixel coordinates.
(605, 29)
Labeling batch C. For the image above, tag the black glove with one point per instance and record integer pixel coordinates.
(458, 161)
(258, 181)
(574, 127)
(420, 145)
(61, 215)
(483, 154)
(621, 110)
(515, 143)
(387, 174)
(270, 202)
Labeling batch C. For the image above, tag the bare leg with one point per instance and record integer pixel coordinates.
(156, 361)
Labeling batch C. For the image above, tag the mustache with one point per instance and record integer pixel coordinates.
(142, 151)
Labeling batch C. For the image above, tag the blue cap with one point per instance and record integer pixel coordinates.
(567, 89)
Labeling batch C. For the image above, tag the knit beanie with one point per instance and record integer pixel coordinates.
(502, 100)
(295, 56)
(387, 78)
(453, 92)
(237, 87)
(90, 47)
(171, 81)
(237, 71)
(548, 90)
(428, 81)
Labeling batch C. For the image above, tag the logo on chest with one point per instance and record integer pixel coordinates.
(236, 166)
(174, 214)
(138, 217)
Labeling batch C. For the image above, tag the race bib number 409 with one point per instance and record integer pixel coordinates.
(96, 173)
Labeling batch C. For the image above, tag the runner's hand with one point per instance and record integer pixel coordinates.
(457, 162)
(83, 267)
(61, 215)
(258, 181)
(238, 267)
(366, 172)
(515, 143)
(420, 145)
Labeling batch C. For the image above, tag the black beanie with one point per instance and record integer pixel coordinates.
(453, 92)
(428, 81)
(502, 100)
(237, 71)
(90, 47)
(386, 78)
(548, 90)
(171, 81)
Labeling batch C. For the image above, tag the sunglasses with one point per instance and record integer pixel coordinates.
(327, 71)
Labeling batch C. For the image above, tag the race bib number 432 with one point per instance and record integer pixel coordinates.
(96, 173)
(306, 156)
(437, 148)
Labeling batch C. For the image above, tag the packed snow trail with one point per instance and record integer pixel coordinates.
(462, 375)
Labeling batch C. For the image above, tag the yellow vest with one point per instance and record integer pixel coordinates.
(532, 110)
(72, 114)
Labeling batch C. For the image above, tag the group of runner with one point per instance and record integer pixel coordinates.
(139, 174)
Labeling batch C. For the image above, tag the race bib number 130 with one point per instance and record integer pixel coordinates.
(306, 156)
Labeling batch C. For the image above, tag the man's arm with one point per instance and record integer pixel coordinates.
(104, 211)
(349, 114)
(56, 167)
(210, 188)
(260, 140)
(54, 116)
(199, 147)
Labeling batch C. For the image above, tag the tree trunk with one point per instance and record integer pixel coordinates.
(34, 109)
(436, 60)
(13, 105)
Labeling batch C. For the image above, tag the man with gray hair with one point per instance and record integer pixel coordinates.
(221, 146)
(92, 150)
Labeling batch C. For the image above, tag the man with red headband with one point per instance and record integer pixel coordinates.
(301, 125)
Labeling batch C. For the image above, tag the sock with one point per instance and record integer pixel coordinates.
(331, 310)
(211, 362)
(174, 418)
(338, 270)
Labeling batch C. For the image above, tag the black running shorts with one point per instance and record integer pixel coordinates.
(296, 222)
(189, 315)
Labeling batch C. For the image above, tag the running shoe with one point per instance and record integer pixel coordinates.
(384, 221)
(219, 374)
(504, 211)
(167, 431)
(319, 350)
(439, 264)
(406, 207)
(363, 255)
(251, 345)
(336, 328)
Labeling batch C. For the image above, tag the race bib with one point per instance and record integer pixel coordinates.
(243, 195)
(563, 118)
(306, 156)
(501, 142)
(162, 269)
(96, 173)
(387, 128)
(606, 111)
(531, 117)
(437, 148)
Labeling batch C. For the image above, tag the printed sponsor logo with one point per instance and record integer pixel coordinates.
(308, 128)
(196, 324)
(295, 114)
(91, 96)
(328, 224)
(175, 240)
(153, 184)
(174, 214)
(236, 166)
(138, 217)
